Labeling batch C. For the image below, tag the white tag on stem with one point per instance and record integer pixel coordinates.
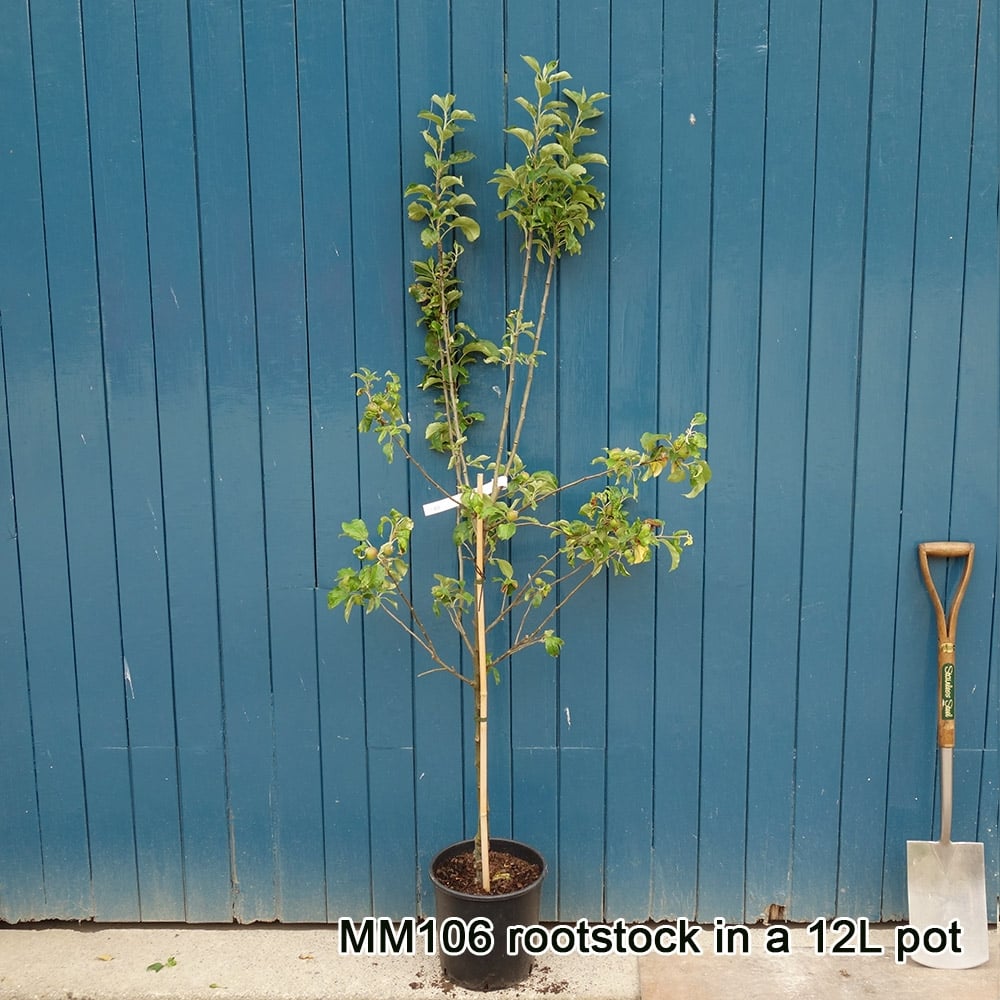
(450, 503)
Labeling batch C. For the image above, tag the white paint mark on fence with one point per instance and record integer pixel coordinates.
(128, 677)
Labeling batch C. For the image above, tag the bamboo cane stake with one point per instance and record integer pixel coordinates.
(481, 717)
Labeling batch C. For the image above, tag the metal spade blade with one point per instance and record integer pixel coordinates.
(946, 882)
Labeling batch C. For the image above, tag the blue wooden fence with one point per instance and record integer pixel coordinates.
(203, 236)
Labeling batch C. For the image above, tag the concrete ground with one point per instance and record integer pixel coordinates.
(98, 962)
(802, 974)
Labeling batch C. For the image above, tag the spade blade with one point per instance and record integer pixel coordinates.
(945, 883)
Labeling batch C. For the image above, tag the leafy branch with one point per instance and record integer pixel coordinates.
(550, 196)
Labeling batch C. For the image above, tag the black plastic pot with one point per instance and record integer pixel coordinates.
(473, 966)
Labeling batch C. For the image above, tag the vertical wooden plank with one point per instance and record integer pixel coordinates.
(633, 277)
(298, 805)
(585, 44)
(347, 847)
(936, 311)
(837, 260)
(38, 525)
(90, 537)
(480, 58)
(582, 798)
(537, 783)
(527, 715)
(393, 822)
(114, 114)
(270, 61)
(737, 185)
(379, 284)
(439, 710)
(179, 337)
(885, 340)
(231, 349)
(989, 814)
(47, 614)
(975, 493)
(21, 871)
(72, 304)
(330, 320)
(786, 285)
(482, 63)
(530, 715)
(688, 61)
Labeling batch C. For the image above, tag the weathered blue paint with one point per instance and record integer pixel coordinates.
(826, 573)
(738, 157)
(204, 237)
(876, 547)
(685, 291)
(786, 282)
(185, 455)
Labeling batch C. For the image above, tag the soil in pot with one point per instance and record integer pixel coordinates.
(508, 873)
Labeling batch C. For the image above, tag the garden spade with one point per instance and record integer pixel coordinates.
(946, 882)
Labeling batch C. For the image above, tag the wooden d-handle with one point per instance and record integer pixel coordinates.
(946, 629)
(947, 549)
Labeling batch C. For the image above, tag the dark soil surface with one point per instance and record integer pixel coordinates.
(507, 873)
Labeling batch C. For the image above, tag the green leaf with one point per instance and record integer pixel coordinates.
(524, 135)
(504, 567)
(506, 530)
(356, 530)
(469, 227)
(525, 105)
(699, 476)
(486, 348)
(675, 554)
(553, 644)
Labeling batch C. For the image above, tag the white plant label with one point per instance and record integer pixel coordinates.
(450, 503)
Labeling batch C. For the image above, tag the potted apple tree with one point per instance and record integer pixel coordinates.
(499, 609)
